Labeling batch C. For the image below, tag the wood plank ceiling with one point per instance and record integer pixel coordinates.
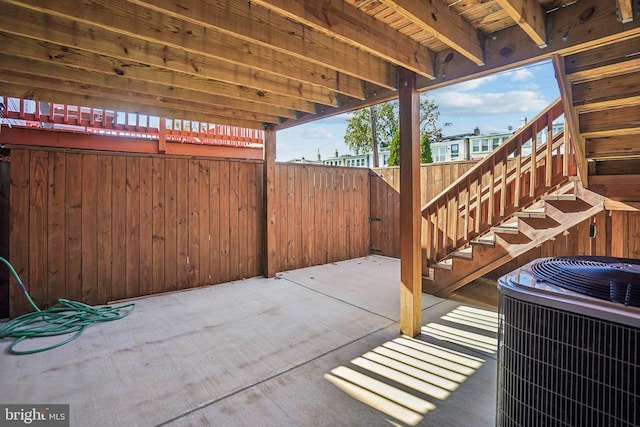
(285, 62)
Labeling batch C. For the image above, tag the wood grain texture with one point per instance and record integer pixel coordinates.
(122, 226)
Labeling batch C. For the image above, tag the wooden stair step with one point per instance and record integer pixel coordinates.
(506, 228)
(446, 264)
(466, 253)
(538, 213)
(554, 197)
(486, 240)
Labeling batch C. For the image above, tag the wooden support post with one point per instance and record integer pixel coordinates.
(270, 261)
(162, 135)
(410, 216)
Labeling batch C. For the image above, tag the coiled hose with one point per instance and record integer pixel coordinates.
(66, 317)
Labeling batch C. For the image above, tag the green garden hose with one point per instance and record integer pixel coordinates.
(66, 317)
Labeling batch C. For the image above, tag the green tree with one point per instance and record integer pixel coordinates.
(425, 149)
(358, 134)
(394, 150)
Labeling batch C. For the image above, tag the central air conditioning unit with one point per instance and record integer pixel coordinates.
(569, 343)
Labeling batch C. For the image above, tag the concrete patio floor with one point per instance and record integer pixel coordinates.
(318, 346)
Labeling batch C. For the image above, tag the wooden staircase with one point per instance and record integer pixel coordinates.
(504, 206)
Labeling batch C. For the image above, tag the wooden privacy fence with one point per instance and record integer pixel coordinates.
(101, 227)
(385, 200)
(322, 214)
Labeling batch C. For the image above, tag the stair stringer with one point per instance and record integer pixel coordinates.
(562, 214)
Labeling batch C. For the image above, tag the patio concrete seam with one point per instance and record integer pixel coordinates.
(338, 299)
(274, 376)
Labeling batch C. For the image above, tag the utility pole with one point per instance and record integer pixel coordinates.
(374, 136)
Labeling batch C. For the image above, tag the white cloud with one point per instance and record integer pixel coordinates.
(473, 84)
(521, 74)
(485, 104)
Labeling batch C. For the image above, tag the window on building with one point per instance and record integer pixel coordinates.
(495, 143)
(439, 154)
(454, 151)
(476, 146)
(485, 144)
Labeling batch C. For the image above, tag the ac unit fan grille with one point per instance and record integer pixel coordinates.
(611, 279)
(558, 368)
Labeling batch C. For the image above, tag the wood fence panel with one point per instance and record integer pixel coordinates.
(39, 163)
(323, 214)
(118, 228)
(73, 227)
(224, 222)
(89, 229)
(204, 178)
(170, 225)
(385, 199)
(56, 277)
(132, 221)
(193, 218)
(19, 230)
(109, 226)
(146, 226)
(182, 224)
(105, 210)
(234, 232)
(158, 226)
(214, 222)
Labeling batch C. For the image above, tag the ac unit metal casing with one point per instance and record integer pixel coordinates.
(565, 359)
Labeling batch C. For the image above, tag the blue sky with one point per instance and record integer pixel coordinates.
(492, 103)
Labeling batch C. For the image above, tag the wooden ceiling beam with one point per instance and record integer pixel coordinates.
(510, 48)
(29, 83)
(625, 7)
(255, 24)
(530, 16)
(349, 24)
(48, 28)
(127, 85)
(50, 95)
(446, 25)
(136, 21)
(597, 25)
(56, 55)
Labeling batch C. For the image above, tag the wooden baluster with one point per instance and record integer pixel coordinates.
(456, 217)
(492, 174)
(447, 220)
(518, 177)
(534, 149)
(503, 187)
(433, 248)
(549, 159)
(467, 210)
(478, 185)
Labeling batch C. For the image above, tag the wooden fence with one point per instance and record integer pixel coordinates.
(323, 214)
(100, 227)
(385, 200)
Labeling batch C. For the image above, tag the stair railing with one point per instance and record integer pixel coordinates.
(497, 186)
